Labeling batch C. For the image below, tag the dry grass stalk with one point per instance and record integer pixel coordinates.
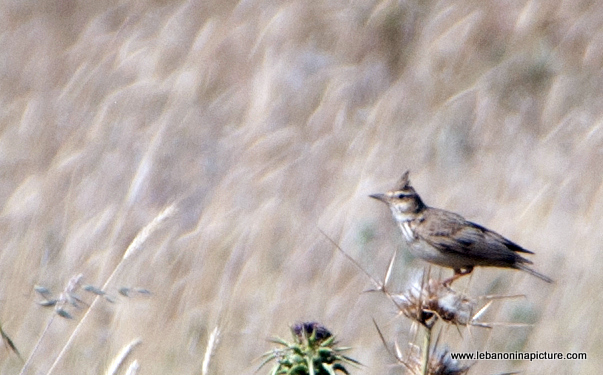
(121, 357)
(149, 229)
(66, 297)
(212, 345)
(136, 244)
(133, 368)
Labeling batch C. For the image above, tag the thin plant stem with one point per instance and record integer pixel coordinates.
(81, 323)
(426, 346)
(35, 349)
(136, 244)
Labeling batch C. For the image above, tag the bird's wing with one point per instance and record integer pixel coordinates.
(451, 233)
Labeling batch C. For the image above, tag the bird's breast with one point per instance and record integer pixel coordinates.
(407, 231)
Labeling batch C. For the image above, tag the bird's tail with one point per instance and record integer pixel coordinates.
(523, 267)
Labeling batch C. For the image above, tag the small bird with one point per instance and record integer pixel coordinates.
(447, 239)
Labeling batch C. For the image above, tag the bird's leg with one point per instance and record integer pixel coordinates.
(458, 272)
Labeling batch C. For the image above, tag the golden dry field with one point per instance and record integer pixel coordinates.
(214, 141)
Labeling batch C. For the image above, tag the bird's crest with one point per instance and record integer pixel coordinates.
(404, 182)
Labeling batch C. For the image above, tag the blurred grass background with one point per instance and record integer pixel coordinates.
(265, 121)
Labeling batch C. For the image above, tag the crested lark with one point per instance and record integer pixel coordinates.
(447, 239)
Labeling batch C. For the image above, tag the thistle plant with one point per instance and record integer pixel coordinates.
(427, 301)
(313, 351)
(440, 363)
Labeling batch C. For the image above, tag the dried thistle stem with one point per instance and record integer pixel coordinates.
(425, 353)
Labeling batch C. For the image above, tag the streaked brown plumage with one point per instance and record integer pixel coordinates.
(447, 239)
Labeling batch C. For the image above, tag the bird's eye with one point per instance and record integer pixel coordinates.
(401, 195)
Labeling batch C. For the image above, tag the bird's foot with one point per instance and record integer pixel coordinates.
(458, 272)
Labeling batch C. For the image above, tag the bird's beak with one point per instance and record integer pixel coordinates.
(379, 197)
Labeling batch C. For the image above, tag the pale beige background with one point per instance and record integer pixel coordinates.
(265, 121)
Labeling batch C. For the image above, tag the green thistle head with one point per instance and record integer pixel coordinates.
(312, 352)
